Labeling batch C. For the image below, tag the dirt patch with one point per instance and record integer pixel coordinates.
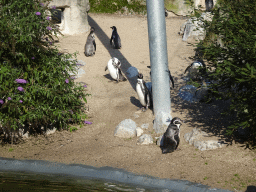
(231, 167)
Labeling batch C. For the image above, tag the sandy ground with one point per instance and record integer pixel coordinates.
(232, 167)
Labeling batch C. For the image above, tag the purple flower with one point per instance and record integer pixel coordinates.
(20, 89)
(41, 4)
(67, 81)
(72, 77)
(87, 122)
(21, 101)
(71, 111)
(46, 38)
(53, 7)
(49, 28)
(48, 18)
(50, 43)
(32, 57)
(85, 86)
(38, 13)
(20, 80)
(9, 98)
(1, 101)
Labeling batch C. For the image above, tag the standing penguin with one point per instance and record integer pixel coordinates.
(114, 67)
(171, 137)
(90, 45)
(196, 69)
(115, 40)
(208, 5)
(143, 93)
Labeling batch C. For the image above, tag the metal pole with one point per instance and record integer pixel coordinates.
(159, 64)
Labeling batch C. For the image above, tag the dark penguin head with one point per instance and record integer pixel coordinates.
(140, 76)
(114, 28)
(92, 29)
(176, 121)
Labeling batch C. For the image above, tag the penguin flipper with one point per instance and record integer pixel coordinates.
(94, 44)
(187, 68)
(171, 79)
(111, 39)
(122, 77)
(106, 68)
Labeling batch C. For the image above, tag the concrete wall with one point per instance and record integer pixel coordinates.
(73, 16)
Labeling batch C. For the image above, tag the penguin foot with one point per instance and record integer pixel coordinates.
(143, 109)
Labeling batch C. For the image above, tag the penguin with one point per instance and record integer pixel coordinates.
(208, 5)
(115, 40)
(171, 78)
(196, 69)
(144, 94)
(114, 67)
(90, 45)
(171, 137)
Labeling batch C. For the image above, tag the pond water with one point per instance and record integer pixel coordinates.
(21, 181)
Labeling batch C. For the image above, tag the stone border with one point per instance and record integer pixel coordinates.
(102, 173)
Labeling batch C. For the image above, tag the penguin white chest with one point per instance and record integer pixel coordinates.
(112, 70)
(140, 93)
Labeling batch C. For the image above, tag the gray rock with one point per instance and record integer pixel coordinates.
(187, 93)
(132, 72)
(193, 27)
(78, 71)
(197, 138)
(161, 122)
(126, 129)
(145, 140)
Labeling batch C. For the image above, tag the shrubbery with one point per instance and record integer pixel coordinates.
(230, 48)
(36, 88)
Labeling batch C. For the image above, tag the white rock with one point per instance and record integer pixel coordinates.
(126, 129)
(139, 131)
(145, 140)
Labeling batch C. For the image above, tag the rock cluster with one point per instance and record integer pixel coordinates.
(193, 27)
(128, 129)
(197, 139)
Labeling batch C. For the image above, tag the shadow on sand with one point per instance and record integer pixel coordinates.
(102, 36)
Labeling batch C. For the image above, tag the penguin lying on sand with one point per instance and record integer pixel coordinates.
(90, 45)
(144, 94)
(115, 40)
(171, 137)
(114, 67)
(196, 70)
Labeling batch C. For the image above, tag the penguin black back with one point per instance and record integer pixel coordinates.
(115, 39)
(90, 45)
(171, 137)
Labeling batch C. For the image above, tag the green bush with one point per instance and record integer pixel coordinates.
(230, 48)
(112, 6)
(36, 88)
